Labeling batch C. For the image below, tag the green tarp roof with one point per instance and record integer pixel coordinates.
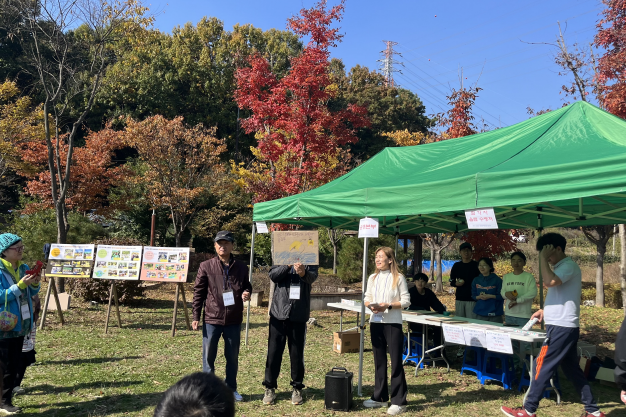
(569, 166)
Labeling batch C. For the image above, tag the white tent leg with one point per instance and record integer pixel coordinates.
(362, 326)
(250, 278)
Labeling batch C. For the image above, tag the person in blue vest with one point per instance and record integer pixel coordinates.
(16, 291)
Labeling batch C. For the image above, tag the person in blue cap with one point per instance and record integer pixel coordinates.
(16, 291)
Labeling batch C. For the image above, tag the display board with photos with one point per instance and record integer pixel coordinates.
(165, 264)
(70, 261)
(117, 262)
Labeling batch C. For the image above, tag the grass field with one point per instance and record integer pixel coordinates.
(80, 371)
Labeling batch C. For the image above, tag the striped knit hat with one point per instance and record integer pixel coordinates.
(7, 240)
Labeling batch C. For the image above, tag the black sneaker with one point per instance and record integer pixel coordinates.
(296, 397)
(9, 409)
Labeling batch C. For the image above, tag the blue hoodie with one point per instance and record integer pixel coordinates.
(490, 285)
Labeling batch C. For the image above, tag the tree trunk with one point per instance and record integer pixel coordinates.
(417, 255)
(178, 236)
(622, 269)
(601, 250)
(431, 271)
(439, 283)
(334, 258)
(62, 229)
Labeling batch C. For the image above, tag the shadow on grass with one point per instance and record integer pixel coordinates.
(107, 405)
(87, 360)
(46, 389)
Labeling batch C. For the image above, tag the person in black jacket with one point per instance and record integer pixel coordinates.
(423, 298)
(289, 312)
(461, 277)
(620, 361)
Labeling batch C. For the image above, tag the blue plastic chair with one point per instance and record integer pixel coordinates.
(416, 352)
(475, 362)
(504, 373)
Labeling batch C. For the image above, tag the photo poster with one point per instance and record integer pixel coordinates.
(117, 262)
(70, 261)
(293, 247)
(165, 264)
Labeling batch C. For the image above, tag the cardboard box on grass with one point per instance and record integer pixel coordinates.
(346, 342)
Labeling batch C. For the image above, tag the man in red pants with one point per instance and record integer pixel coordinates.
(561, 314)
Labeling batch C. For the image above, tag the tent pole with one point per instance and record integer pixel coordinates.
(539, 229)
(250, 279)
(362, 325)
(396, 245)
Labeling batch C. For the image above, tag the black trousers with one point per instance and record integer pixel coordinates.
(294, 334)
(388, 337)
(28, 358)
(11, 358)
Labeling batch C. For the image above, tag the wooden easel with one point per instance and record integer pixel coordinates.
(180, 289)
(51, 287)
(113, 296)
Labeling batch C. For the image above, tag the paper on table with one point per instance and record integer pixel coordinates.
(499, 342)
(475, 337)
(453, 334)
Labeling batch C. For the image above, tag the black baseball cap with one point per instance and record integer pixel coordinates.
(224, 235)
(466, 245)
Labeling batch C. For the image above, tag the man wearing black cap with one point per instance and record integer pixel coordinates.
(222, 286)
(461, 277)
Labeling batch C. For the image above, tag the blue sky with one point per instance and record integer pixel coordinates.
(436, 39)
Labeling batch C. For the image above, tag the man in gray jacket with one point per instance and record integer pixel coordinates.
(291, 306)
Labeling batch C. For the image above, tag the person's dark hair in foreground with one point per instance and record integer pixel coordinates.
(553, 239)
(197, 395)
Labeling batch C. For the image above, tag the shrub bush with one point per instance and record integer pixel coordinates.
(612, 294)
(90, 289)
(350, 257)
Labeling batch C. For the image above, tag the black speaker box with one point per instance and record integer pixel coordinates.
(338, 390)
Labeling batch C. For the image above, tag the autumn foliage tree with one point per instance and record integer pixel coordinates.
(180, 165)
(611, 67)
(300, 139)
(92, 172)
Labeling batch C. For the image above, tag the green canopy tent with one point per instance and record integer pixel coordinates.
(565, 168)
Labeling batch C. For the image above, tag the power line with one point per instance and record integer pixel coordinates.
(387, 63)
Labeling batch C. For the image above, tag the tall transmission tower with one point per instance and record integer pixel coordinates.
(387, 63)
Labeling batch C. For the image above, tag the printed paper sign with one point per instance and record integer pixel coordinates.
(289, 248)
(117, 262)
(368, 227)
(70, 261)
(499, 342)
(481, 219)
(165, 264)
(261, 227)
(453, 334)
(475, 337)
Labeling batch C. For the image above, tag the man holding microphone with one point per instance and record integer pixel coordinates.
(222, 286)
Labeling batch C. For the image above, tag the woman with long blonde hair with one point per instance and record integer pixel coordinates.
(386, 295)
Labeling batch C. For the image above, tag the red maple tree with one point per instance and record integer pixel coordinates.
(611, 67)
(91, 174)
(300, 139)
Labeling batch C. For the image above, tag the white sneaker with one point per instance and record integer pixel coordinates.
(394, 410)
(373, 404)
(238, 397)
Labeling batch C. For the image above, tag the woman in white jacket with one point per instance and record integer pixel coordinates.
(386, 295)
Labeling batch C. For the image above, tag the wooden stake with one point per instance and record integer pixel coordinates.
(106, 322)
(117, 305)
(182, 292)
(175, 311)
(56, 299)
(45, 303)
